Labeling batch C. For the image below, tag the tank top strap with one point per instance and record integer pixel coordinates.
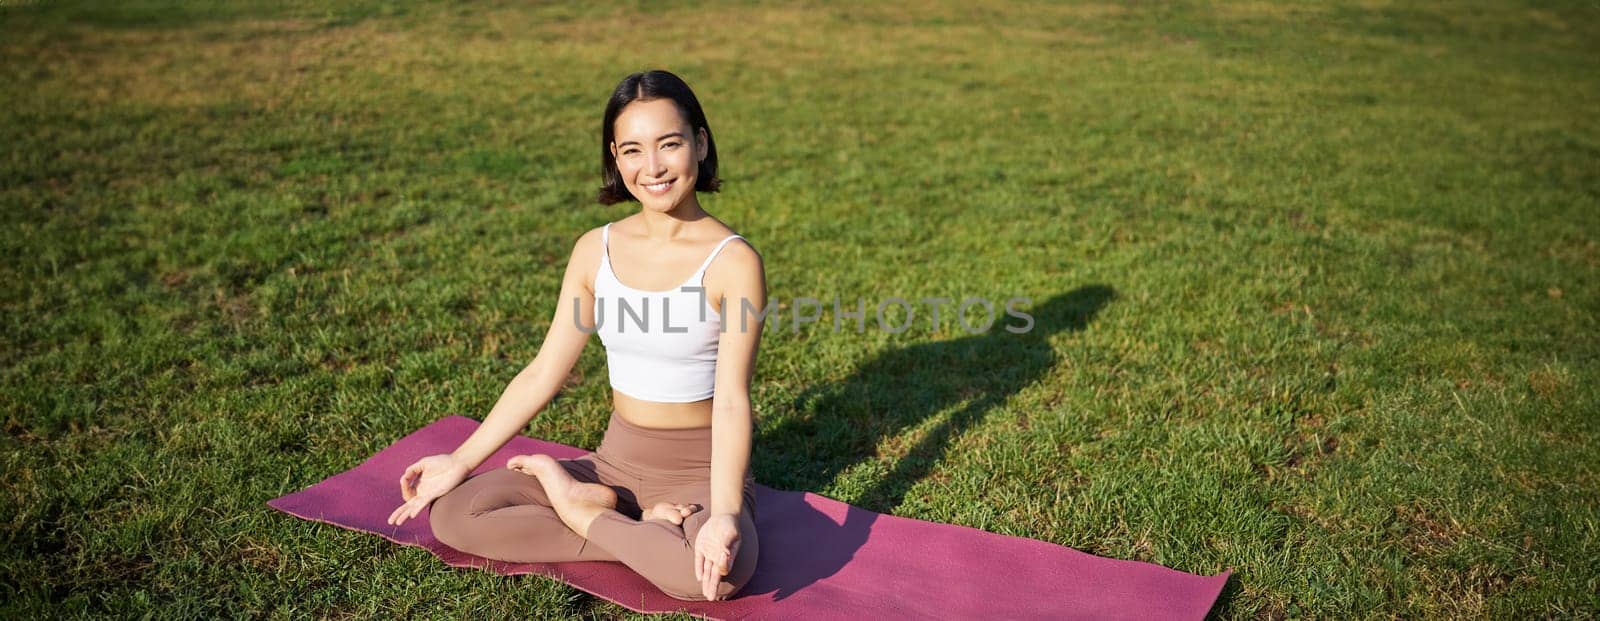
(714, 253)
(603, 272)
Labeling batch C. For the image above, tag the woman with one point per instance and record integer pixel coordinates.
(668, 492)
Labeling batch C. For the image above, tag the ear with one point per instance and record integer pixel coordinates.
(613, 147)
(702, 144)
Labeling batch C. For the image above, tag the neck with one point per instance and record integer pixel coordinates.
(668, 225)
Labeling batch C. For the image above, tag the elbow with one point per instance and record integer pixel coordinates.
(540, 376)
(733, 395)
(730, 404)
(545, 368)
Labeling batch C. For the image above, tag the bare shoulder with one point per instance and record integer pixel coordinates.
(589, 240)
(738, 258)
(737, 273)
(586, 252)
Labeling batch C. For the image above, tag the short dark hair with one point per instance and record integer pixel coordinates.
(647, 86)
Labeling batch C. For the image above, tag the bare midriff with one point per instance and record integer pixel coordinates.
(658, 415)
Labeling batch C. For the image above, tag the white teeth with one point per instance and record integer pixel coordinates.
(659, 187)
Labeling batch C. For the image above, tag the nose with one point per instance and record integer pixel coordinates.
(655, 166)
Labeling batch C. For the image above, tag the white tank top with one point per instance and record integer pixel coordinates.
(660, 345)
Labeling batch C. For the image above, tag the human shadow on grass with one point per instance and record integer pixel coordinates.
(835, 427)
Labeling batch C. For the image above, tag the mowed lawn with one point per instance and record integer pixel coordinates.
(1313, 284)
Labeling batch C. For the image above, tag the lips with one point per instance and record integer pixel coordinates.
(659, 188)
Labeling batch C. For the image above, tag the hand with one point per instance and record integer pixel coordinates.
(429, 478)
(714, 550)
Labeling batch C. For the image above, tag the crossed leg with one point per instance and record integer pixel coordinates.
(660, 550)
(576, 500)
(507, 515)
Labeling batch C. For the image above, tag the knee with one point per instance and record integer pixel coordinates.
(448, 519)
(682, 591)
(682, 585)
(685, 587)
(688, 589)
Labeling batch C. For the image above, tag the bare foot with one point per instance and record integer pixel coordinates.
(671, 512)
(576, 502)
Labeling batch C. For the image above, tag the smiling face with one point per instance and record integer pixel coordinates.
(658, 154)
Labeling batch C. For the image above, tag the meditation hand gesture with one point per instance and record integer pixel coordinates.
(714, 550)
(429, 478)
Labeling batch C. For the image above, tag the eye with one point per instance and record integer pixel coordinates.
(669, 145)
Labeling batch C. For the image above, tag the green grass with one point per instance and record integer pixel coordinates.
(1316, 283)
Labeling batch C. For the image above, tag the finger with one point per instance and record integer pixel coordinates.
(709, 584)
(414, 478)
(395, 515)
(710, 587)
(405, 512)
(733, 553)
(699, 564)
(406, 481)
(400, 514)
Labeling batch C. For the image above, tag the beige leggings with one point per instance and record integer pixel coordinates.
(504, 515)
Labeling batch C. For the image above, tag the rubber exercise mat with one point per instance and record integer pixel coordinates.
(820, 558)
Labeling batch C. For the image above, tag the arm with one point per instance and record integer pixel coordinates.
(435, 475)
(732, 425)
(740, 279)
(537, 383)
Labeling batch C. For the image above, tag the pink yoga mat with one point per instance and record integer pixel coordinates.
(820, 558)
